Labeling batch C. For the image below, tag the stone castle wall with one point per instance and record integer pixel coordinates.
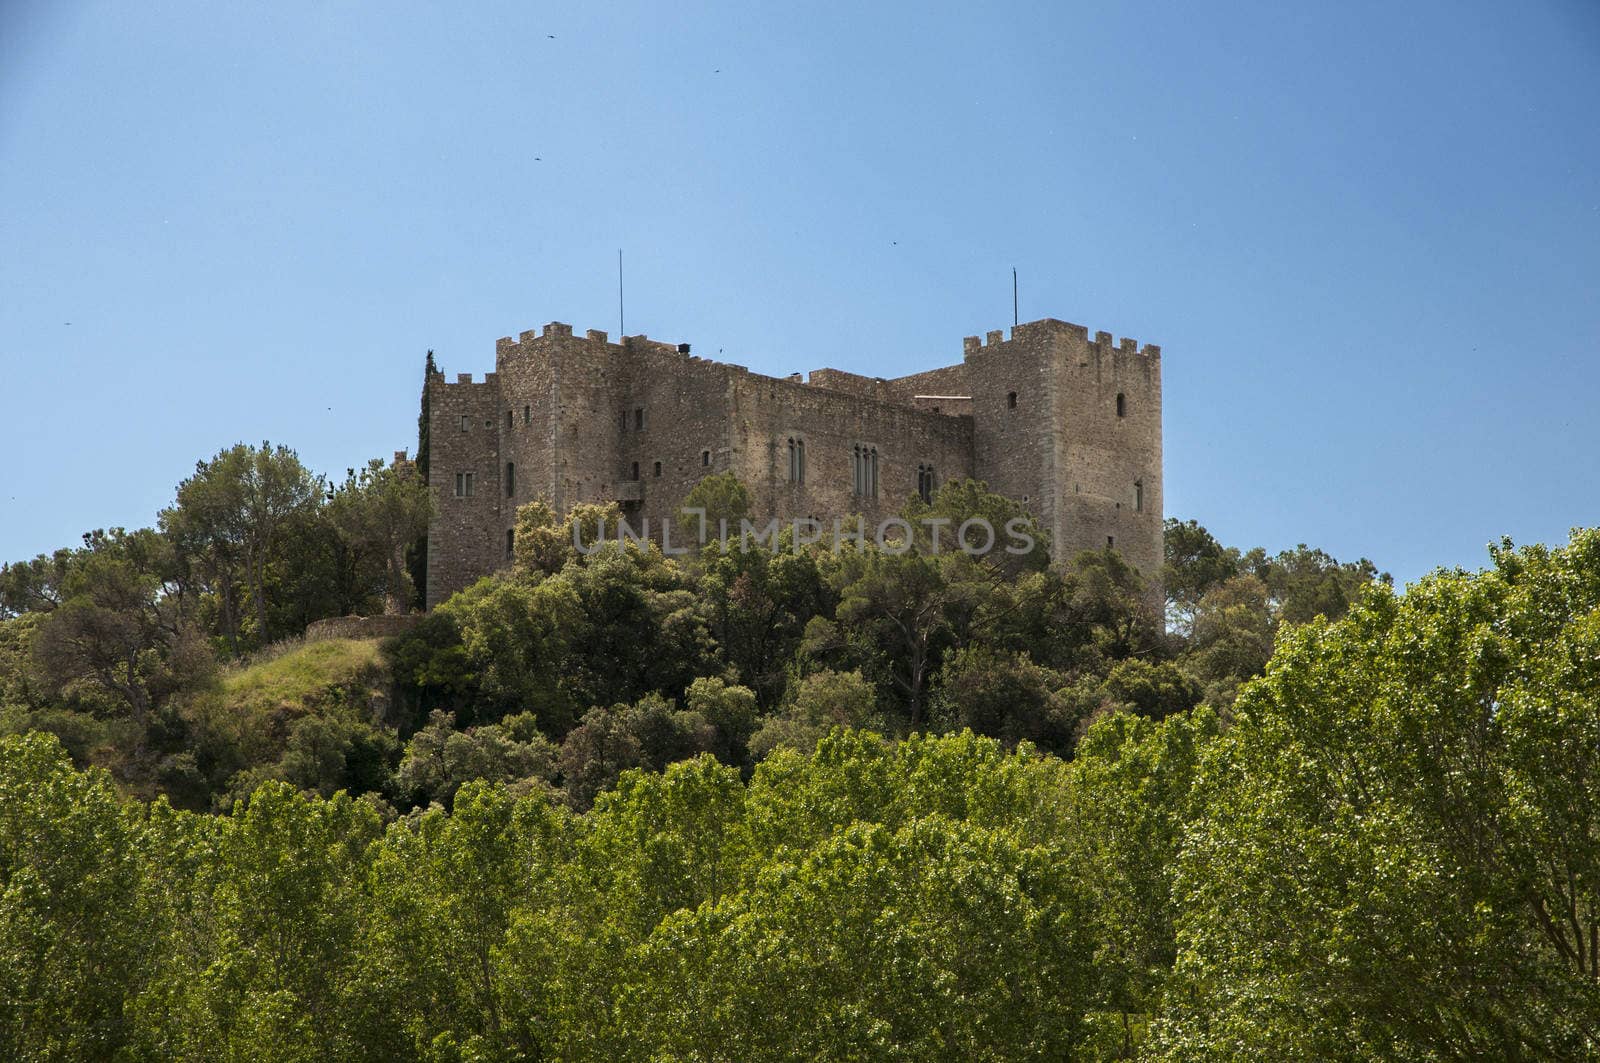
(360, 627)
(582, 419)
(464, 438)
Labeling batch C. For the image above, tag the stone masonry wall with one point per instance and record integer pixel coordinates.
(1092, 476)
(1110, 460)
(463, 544)
(360, 627)
(640, 422)
(831, 424)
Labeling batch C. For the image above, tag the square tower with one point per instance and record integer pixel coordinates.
(1072, 427)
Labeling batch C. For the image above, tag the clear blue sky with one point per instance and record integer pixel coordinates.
(1366, 234)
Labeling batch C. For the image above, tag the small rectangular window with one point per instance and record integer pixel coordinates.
(1111, 542)
(466, 423)
(638, 420)
(705, 457)
(527, 415)
(508, 418)
(658, 470)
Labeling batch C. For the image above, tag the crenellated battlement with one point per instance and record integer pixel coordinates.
(464, 380)
(1046, 329)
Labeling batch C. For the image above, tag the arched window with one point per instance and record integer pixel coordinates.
(658, 470)
(864, 473)
(925, 484)
(1122, 405)
(1011, 400)
(705, 457)
(800, 460)
(511, 480)
(792, 470)
(633, 473)
(1138, 496)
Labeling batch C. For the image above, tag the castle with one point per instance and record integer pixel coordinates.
(1068, 425)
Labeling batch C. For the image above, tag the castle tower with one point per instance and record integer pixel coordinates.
(1072, 427)
(463, 459)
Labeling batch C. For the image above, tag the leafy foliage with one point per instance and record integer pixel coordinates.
(1399, 842)
(1388, 848)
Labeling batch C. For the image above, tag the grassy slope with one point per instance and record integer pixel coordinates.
(309, 678)
(247, 720)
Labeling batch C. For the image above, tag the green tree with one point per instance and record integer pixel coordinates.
(381, 510)
(649, 734)
(1195, 562)
(1231, 637)
(115, 633)
(1129, 799)
(439, 760)
(958, 501)
(1305, 583)
(417, 550)
(33, 586)
(1153, 689)
(758, 602)
(517, 638)
(1397, 856)
(939, 939)
(227, 520)
(545, 544)
(821, 701)
(897, 615)
(721, 501)
(445, 891)
(640, 628)
(729, 710)
(271, 966)
(1004, 696)
(73, 947)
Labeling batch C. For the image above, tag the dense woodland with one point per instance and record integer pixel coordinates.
(785, 803)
